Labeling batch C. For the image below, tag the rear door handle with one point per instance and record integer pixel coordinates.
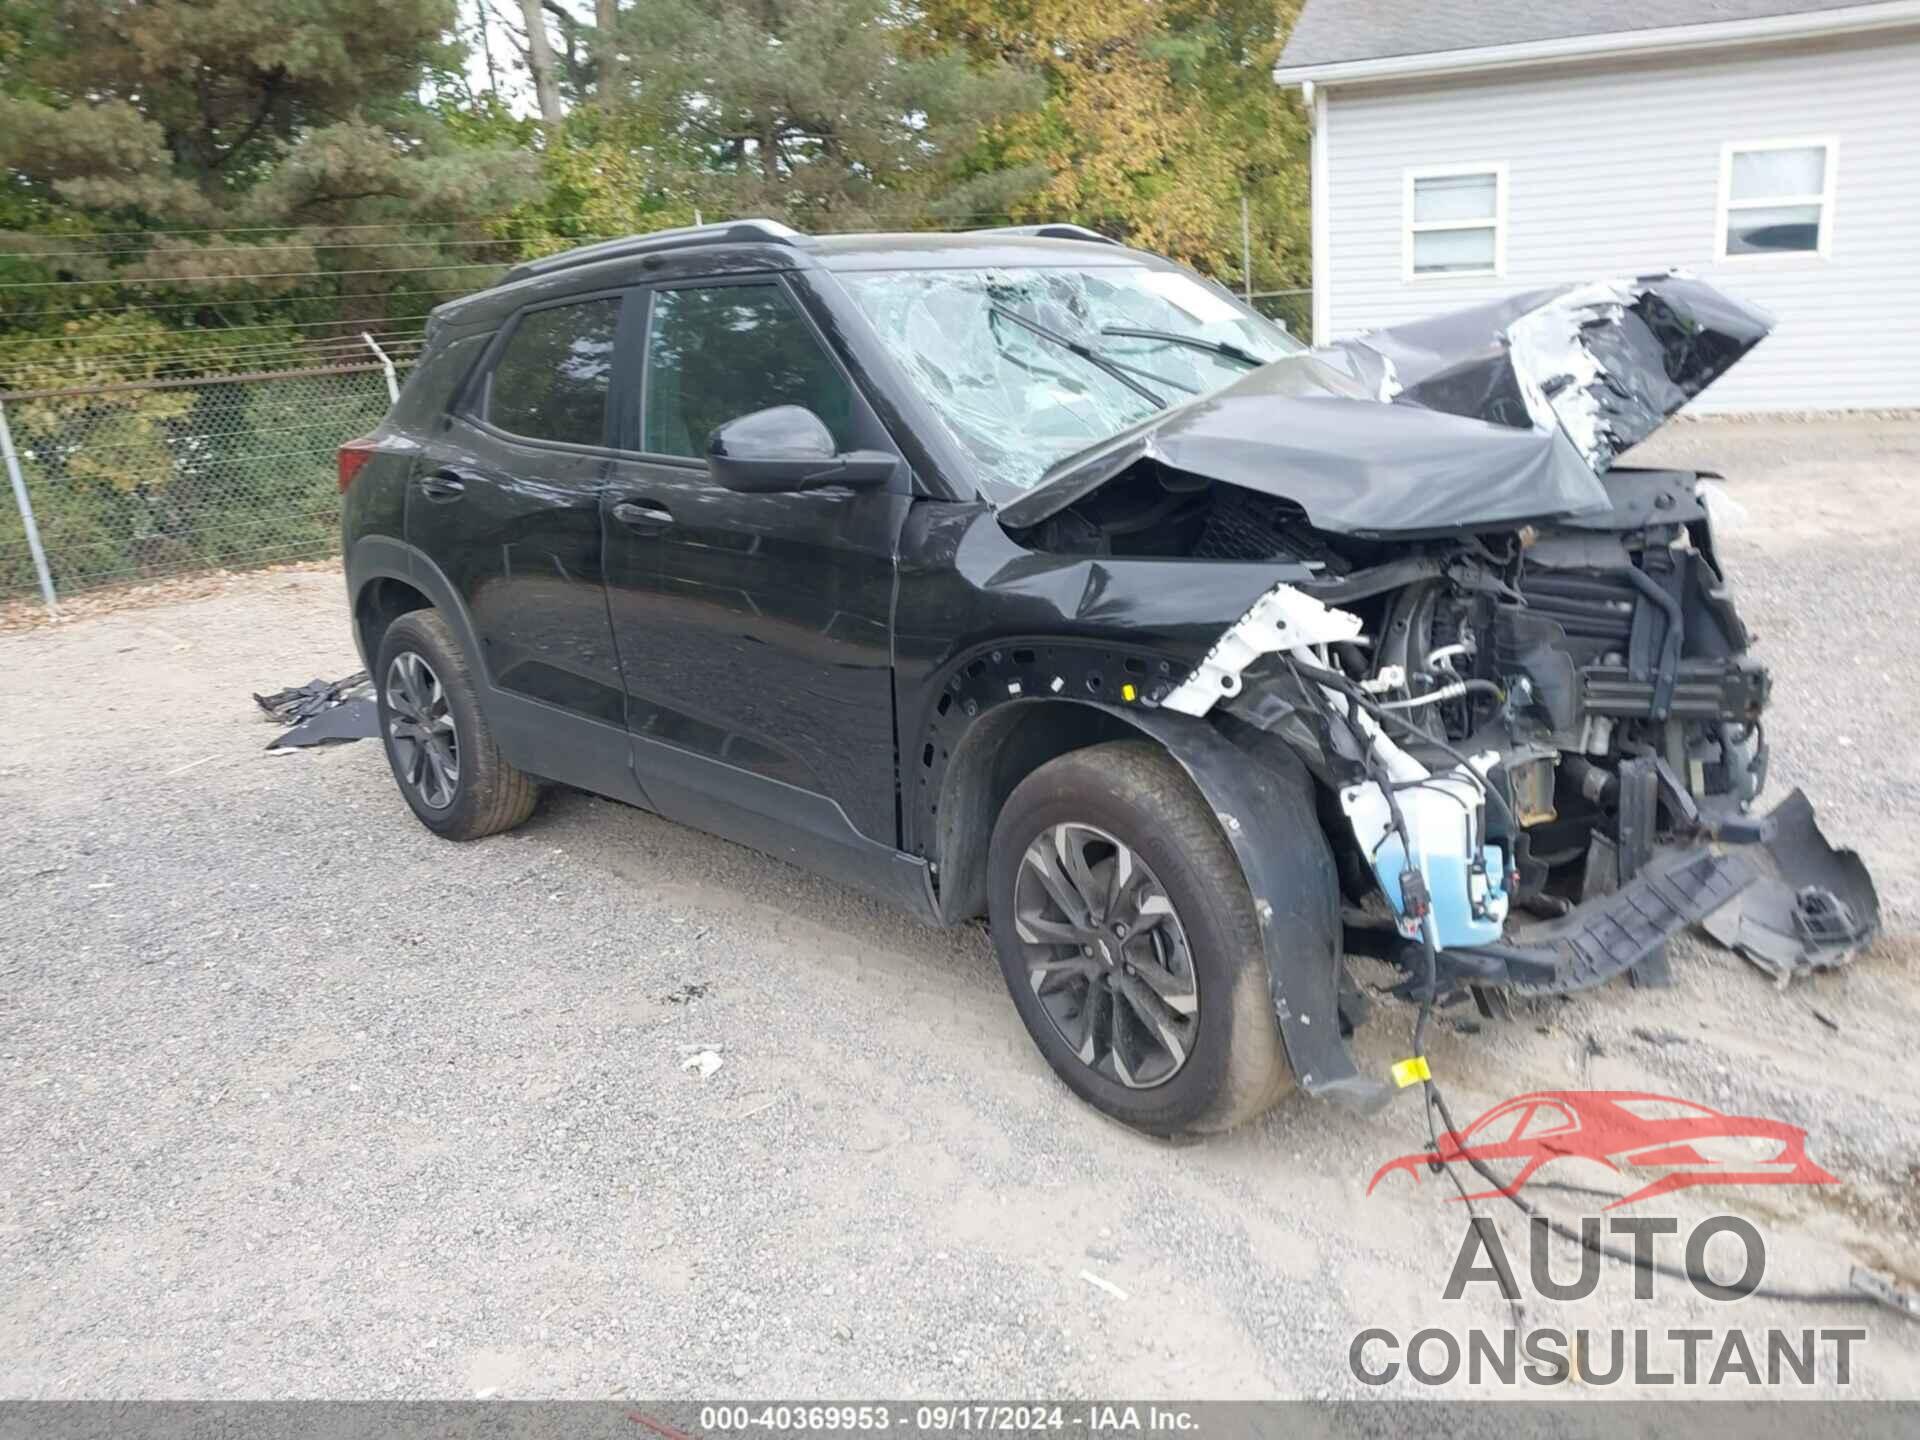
(444, 485)
(642, 514)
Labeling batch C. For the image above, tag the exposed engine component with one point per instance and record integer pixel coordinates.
(1588, 677)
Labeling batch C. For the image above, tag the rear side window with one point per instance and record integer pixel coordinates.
(551, 380)
(719, 352)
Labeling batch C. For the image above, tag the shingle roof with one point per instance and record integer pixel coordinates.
(1336, 30)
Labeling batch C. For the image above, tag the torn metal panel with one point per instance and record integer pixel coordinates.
(1813, 907)
(1607, 363)
(1494, 415)
(1356, 466)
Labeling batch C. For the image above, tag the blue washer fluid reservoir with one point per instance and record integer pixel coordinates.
(1467, 882)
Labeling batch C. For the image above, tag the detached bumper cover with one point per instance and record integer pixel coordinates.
(1780, 895)
(1811, 907)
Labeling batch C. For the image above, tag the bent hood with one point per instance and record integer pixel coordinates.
(1481, 418)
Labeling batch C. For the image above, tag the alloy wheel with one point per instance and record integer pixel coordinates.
(420, 728)
(1106, 955)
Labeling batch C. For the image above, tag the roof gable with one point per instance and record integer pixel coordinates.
(1335, 31)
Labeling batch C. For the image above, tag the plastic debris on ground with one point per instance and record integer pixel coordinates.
(323, 712)
(1813, 907)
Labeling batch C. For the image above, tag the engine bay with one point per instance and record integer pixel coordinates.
(1580, 688)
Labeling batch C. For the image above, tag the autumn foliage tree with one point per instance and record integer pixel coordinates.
(1160, 116)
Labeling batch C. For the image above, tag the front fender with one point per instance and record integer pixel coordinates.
(1260, 792)
(1265, 806)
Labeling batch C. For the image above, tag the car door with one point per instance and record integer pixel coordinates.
(753, 629)
(506, 504)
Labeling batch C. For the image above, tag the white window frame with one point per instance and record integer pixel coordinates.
(1409, 227)
(1727, 204)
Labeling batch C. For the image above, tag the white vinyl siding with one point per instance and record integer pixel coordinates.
(1626, 169)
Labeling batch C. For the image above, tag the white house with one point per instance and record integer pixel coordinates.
(1466, 149)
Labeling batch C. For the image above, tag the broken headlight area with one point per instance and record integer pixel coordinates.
(1545, 744)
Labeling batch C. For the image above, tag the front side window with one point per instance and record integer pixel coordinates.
(551, 379)
(1455, 221)
(718, 352)
(1027, 366)
(1776, 198)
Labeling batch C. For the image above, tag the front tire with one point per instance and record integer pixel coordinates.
(437, 739)
(1128, 939)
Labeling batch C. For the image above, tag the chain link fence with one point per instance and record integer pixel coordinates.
(1291, 308)
(141, 480)
(145, 479)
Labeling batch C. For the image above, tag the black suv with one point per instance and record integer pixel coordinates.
(1022, 574)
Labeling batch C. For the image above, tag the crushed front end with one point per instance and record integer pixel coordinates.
(1514, 666)
(1566, 726)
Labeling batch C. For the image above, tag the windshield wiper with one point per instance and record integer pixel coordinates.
(1225, 349)
(1122, 372)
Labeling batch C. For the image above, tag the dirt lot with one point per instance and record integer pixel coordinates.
(296, 1100)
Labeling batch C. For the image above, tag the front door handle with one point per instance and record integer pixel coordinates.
(642, 515)
(444, 485)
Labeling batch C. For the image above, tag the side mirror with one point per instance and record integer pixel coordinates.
(789, 448)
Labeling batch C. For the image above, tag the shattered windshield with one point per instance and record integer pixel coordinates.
(1027, 366)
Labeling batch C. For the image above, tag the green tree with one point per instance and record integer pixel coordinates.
(278, 133)
(821, 111)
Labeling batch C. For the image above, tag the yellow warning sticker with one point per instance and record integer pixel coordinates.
(1411, 1072)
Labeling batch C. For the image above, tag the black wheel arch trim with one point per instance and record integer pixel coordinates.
(1263, 798)
(593, 756)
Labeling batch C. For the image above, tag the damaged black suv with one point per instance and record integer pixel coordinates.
(1021, 574)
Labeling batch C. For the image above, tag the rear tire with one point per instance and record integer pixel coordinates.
(437, 739)
(1175, 933)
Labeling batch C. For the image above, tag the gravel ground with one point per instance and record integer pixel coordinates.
(296, 1100)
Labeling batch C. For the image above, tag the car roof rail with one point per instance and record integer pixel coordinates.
(1053, 230)
(726, 232)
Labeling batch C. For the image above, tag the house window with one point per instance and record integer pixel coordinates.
(1776, 198)
(1456, 221)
